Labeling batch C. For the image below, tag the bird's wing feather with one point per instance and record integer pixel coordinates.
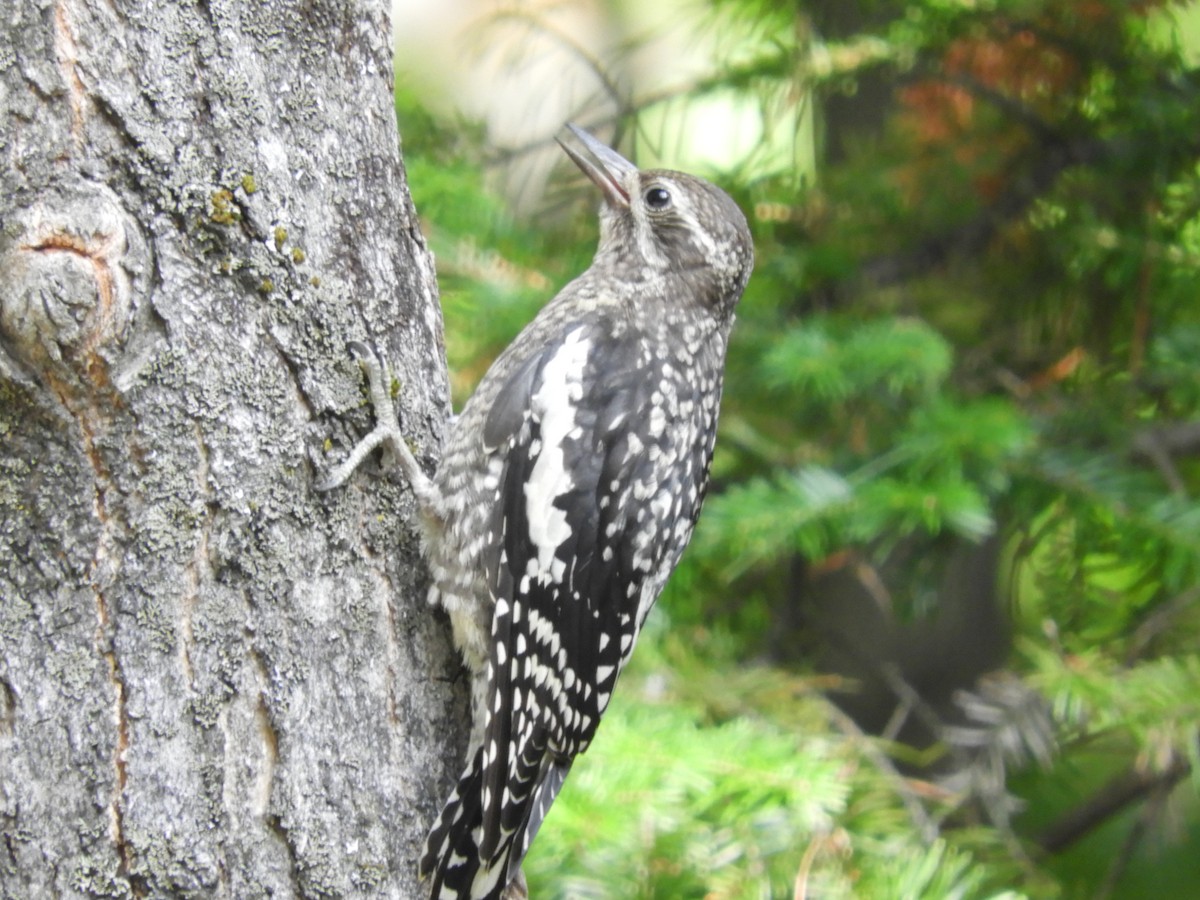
(580, 516)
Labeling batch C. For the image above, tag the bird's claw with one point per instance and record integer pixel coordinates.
(387, 427)
(363, 352)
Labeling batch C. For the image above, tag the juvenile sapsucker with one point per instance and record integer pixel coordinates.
(568, 489)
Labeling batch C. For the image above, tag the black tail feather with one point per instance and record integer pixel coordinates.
(452, 857)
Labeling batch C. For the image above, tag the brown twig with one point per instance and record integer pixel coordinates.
(1162, 443)
(1126, 788)
(1158, 622)
(925, 826)
(1150, 813)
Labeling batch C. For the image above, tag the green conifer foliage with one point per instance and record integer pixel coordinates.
(977, 320)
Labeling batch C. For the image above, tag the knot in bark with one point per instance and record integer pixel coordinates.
(73, 271)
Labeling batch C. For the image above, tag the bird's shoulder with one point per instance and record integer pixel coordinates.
(570, 365)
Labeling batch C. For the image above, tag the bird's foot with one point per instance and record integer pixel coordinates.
(386, 431)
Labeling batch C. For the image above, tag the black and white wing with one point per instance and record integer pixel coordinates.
(602, 461)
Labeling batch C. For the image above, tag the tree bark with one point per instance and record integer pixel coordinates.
(214, 681)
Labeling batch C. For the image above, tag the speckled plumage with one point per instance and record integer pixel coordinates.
(568, 490)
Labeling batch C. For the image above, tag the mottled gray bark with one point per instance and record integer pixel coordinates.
(214, 681)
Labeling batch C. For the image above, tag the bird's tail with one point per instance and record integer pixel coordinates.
(454, 858)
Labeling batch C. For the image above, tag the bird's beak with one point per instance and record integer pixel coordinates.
(605, 166)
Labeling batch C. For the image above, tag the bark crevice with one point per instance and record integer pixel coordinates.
(239, 689)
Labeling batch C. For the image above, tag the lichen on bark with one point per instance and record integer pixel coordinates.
(213, 680)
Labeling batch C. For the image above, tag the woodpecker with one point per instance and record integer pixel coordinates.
(568, 488)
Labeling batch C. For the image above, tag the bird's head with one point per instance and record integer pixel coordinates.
(658, 223)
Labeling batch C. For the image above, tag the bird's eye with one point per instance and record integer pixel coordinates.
(658, 198)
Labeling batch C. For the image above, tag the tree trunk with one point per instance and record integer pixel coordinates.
(214, 681)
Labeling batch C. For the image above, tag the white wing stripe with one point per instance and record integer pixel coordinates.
(554, 406)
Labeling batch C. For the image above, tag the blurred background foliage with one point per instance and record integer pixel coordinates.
(937, 634)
